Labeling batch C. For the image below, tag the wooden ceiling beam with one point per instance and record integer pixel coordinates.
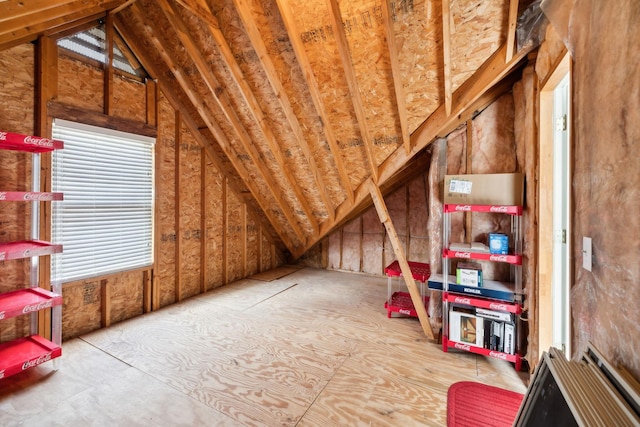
(352, 82)
(511, 28)
(446, 55)
(191, 124)
(316, 96)
(249, 98)
(244, 11)
(387, 13)
(203, 110)
(23, 21)
(225, 106)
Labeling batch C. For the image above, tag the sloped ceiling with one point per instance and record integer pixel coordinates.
(303, 102)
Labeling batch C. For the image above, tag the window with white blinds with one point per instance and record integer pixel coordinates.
(105, 222)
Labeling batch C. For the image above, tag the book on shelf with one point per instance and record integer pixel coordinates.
(466, 328)
(495, 315)
(509, 338)
(497, 335)
(470, 247)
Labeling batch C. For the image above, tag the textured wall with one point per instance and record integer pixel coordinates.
(606, 183)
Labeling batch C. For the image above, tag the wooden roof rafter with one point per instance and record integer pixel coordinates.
(314, 90)
(192, 126)
(217, 132)
(243, 9)
(396, 73)
(24, 21)
(446, 54)
(249, 98)
(352, 82)
(485, 85)
(511, 28)
(223, 103)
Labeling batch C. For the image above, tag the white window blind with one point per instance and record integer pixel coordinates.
(105, 222)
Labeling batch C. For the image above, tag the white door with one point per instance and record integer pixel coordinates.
(561, 313)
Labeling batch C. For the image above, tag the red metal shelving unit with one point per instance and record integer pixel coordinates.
(26, 352)
(400, 302)
(450, 299)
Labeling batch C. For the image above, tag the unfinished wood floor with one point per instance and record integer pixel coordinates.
(313, 348)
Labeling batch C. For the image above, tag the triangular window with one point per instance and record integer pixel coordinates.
(90, 44)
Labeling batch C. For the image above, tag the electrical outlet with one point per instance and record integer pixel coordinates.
(586, 253)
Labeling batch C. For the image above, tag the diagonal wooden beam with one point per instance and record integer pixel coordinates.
(511, 28)
(446, 55)
(385, 219)
(225, 106)
(387, 13)
(352, 82)
(124, 5)
(24, 21)
(177, 105)
(314, 90)
(204, 112)
(244, 11)
(249, 98)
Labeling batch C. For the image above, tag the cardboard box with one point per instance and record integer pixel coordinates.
(506, 189)
(469, 274)
(498, 243)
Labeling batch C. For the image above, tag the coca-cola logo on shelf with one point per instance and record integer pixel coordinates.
(2, 314)
(3, 136)
(498, 355)
(464, 208)
(35, 362)
(38, 197)
(496, 306)
(1, 374)
(499, 209)
(40, 142)
(36, 307)
(499, 258)
(462, 254)
(465, 347)
(462, 300)
(3, 195)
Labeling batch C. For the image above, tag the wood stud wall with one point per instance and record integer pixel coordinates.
(187, 228)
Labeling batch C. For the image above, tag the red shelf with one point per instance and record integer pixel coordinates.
(420, 271)
(26, 301)
(510, 259)
(483, 303)
(24, 353)
(29, 196)
(513, 358)
(28, 143)
(402, 303)
(511, 210)
(27, 249)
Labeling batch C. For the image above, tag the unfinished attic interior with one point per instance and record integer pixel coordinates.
(234, 189)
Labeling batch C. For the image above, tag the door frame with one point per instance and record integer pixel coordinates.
(545, 199)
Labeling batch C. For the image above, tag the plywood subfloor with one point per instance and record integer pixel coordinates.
(314, 348)
(276, 273)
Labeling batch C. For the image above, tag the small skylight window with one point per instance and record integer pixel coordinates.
(91, 44)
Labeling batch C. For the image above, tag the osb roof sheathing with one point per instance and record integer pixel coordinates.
(302, 102)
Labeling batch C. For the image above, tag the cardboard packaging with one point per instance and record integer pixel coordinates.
(498, 243)
(504, 189)
(469, 274)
